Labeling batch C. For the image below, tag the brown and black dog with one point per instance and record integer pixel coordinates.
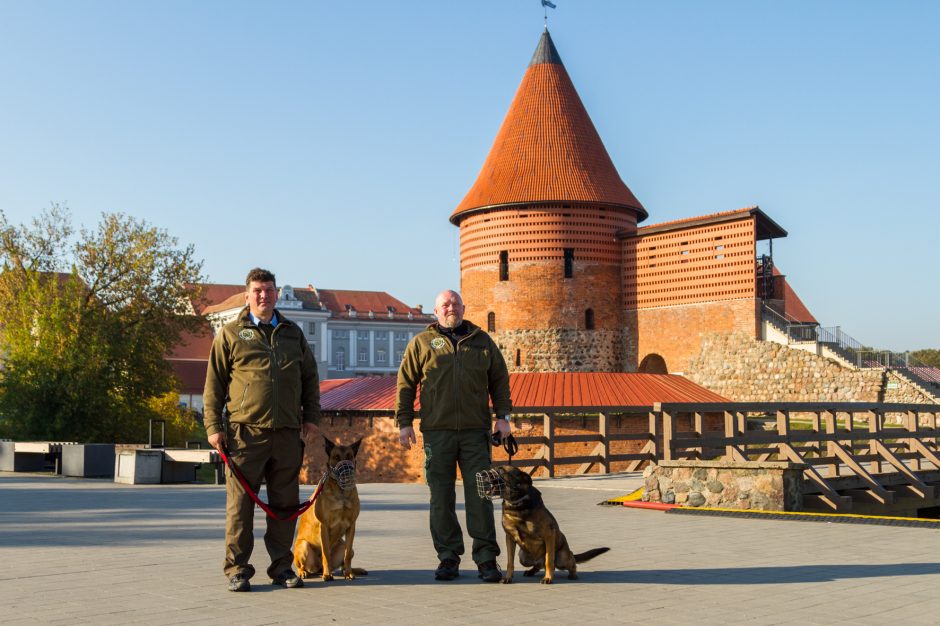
(534, 529)
(327, 529)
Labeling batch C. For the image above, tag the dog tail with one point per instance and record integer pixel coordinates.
(590, 554)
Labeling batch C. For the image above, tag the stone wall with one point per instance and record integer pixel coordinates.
(759, 486)
(743, 369)
(562, 350)
(901, 390)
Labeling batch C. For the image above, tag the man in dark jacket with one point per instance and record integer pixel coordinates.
(261, 371)
(458, 368)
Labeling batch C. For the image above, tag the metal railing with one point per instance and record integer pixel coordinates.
(796, 331)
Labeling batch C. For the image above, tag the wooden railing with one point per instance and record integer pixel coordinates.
(877, 458)
(845, 447)
(601, 418)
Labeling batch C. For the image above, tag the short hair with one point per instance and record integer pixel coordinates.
(261, 276)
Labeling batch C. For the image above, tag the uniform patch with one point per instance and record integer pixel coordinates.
(437, 343)
(247, 334)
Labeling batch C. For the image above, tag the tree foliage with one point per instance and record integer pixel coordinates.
(927, 356)
(89, 319)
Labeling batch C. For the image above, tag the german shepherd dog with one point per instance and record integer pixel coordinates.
(530, 525)
(327, 529)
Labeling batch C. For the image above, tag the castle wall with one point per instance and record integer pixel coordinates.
(539, 317)
(746, 370)
(675, 333)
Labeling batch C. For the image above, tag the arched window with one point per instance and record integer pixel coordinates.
(589, 319)
(653, 364)
(491, 322)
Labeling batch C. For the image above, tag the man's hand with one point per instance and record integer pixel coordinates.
(503, 427)
(406, 435)
(216, 440)
(309, 430)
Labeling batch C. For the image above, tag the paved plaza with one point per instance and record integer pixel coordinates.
(91, 551)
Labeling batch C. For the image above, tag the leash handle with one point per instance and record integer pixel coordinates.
(508, 442)
(300, 508)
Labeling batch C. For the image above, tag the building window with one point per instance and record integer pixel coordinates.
(362, 335)
(313, 349)
(504, 265)
(400, 336)
(381, 335)
(363, 356)
(312, 329)
(340, 334)
(518, 357)
(399, 356)
(589, 319)
(380, 356)
(339, 359)
(569, 262)
(491, 322)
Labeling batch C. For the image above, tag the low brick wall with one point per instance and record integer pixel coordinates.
(746, 485)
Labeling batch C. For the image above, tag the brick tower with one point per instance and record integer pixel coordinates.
(540, 262)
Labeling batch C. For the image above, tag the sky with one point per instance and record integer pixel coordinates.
(330, 141)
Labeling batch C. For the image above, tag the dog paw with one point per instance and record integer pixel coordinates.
(546, 581)
(327, 578)
(506, 580)
(349, 575)
(572, 576)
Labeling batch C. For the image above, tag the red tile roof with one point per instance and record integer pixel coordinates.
(364, 301)
(547, 149)
(217, 293)
(538, 391)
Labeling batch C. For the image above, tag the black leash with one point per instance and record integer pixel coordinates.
(508, 442)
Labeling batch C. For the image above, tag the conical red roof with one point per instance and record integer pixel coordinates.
(547, 149)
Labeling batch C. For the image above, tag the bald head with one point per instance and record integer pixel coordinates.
(448, 308)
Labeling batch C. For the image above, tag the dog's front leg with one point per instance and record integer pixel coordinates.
(549, 557)
(348, 553)
(510, 559)
(325, 551)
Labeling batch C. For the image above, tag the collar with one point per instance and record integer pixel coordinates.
(257, 321)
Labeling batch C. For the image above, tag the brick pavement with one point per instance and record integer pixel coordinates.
(87, 551)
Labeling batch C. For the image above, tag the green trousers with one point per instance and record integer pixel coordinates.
(444, 451)
(275, 456)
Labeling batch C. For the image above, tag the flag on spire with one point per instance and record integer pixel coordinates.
(546, 3)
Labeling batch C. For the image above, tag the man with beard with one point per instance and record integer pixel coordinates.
(458, 368)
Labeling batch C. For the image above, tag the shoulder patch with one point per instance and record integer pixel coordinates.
(437, 343)
(247, 334)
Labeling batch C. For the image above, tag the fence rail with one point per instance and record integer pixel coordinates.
(843, 448)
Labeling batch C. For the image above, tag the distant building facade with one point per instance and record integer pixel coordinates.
(351, 333)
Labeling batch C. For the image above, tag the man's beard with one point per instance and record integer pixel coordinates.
(452, 321)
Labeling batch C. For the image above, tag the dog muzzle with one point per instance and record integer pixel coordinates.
(344, 473)
(490, 484)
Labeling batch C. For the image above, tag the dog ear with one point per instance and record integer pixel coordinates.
(329, 445)
(355, 447)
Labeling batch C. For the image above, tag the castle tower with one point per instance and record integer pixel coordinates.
(540, 262)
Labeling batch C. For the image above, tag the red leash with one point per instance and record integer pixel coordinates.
(299, 509)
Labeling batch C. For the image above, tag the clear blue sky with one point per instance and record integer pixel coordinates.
(330, 141)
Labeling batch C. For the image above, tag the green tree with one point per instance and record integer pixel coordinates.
(927, 356)
(88, 321)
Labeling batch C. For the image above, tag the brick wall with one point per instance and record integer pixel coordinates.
(675, 333)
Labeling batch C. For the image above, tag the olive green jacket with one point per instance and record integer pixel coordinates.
(455, 385)
(264, 385)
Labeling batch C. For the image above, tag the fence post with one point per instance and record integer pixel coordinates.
(874, 427)
(668, 429)
(602, 424)
(833, 468)
(548, 430)
(912, 427)
(654, 417)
